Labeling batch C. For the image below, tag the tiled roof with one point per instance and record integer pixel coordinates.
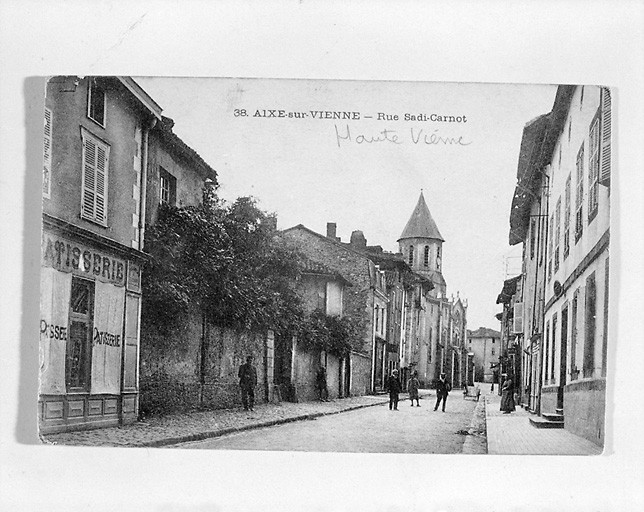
(538, 142)
(316, 268)
(509, 289)
(421, 224)
(174, 142)
(483, 332)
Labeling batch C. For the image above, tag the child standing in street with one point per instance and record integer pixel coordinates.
(394, 389)
(412, 385)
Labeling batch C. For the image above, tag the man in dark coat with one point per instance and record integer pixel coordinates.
(394, 388)
(247, 382)
(320, 379)
(442, 390)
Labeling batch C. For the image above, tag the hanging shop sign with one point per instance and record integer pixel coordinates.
(79, 259)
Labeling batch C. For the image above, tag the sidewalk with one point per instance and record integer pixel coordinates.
(166, 430)
(512, 434)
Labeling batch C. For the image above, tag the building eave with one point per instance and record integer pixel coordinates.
(143, 97)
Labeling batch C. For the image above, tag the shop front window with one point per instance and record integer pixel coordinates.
(79, 345)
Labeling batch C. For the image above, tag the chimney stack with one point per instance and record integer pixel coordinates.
(358, 239)
(331, 230)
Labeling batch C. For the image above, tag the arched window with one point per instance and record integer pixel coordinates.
(426, 256)
(411, 254)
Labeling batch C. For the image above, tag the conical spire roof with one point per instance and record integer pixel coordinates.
(421, 224)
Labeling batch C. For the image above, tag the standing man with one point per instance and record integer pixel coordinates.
(394, 389)
(442, 390)
(321, 384)
(247, 382)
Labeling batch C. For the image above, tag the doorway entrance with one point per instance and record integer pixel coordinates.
(563, 357)
(282, 372)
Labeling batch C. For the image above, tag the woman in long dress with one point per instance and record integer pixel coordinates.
(507, 396)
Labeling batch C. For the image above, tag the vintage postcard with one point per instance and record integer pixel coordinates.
(223, 259)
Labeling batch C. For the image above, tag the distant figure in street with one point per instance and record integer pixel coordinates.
(247, 382)
(394, 389)
(320, 382)
(412, 385)
(442, 390)
(507, 396)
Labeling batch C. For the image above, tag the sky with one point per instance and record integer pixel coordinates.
(366, 172)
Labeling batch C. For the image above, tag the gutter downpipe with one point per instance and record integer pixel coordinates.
(543, 292)
(144, 181)
(373, 340)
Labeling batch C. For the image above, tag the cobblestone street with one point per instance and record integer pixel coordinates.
(163, 430)
(285, 427)
(373, 429)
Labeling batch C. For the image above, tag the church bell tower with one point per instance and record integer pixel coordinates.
(421, 244)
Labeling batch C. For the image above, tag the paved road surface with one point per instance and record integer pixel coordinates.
(373, 429)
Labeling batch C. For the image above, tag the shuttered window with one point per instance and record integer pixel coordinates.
(604, 177)
(566, 250)
(579, 219)
(593, 169)
(94, 182)
(46, 168)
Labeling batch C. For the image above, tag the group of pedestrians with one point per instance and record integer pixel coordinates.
(248, 380)
(413, 384)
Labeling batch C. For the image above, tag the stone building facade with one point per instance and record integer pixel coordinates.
(96, 145)
(484, 344)
(366, 300)
(561, 213)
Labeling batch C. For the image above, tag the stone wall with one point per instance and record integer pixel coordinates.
(180, 373)
(584, 409)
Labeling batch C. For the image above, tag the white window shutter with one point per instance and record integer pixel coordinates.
(101, 184)
(94, 185)
(604, 173)
(517, 324)
(46, 171)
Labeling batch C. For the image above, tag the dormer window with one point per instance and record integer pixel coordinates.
(96, 102)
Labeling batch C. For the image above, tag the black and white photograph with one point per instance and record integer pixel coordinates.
(330, 256)
(266, 254)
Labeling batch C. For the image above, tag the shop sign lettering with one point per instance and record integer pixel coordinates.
(106, 338)
(72, 257)
(54, 332)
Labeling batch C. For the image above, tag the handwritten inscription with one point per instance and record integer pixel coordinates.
(344, 136)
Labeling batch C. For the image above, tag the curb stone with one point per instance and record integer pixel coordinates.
(219, 433)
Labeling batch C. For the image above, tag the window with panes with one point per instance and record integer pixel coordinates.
(79, 345)
(546, 352)
(579, 198)
(96, 102)
(557, 232)
(167, 187)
